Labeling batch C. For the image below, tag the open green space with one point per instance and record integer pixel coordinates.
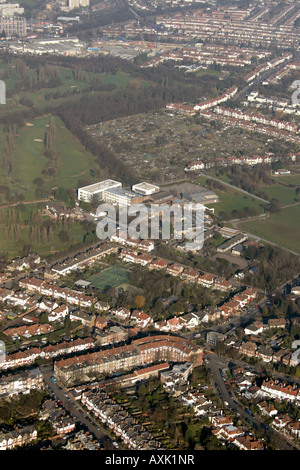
(23, 226)
(285, 195)
(282, 228)
(111, 277)
(289, 180)
(28, 161)
(57, 85)
(231, 200)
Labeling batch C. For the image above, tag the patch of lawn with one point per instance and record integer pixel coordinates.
(282, 228)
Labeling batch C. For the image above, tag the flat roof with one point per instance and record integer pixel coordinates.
(122, 192)
(100, 186)
(145, 186)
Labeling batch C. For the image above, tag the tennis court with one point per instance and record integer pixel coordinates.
(111, 277)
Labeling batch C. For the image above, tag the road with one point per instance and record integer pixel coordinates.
(13, 204)
(75, 410)
(216, 364)
(245, 91)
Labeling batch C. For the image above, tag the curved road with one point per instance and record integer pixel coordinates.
(215, 364)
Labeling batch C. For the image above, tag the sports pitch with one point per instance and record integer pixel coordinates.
(111, 277)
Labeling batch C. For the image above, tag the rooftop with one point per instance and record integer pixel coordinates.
(101, 186)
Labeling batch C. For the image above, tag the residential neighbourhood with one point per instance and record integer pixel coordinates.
(149, 228)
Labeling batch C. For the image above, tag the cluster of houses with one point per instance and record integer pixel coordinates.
(22, 382)
(27, 331)
(230, 25)
(274, 104)
(267, 66)
(235, 305)
(19, 437)
(227, 95)
(27, 357)
(257, 118)
(276, 130)
(266, 350)
(265, 159)
(288, 426)
(277, 391)
(189, 320)
(125, 426)
(264, 396)
(48, 289)
(285, 70)
(61, 423)
(82, 440)
(138, 244)
(204, 55)
(81, 259)
(227, 25)
(223, 428)
(28, 262)
(195, 399)
(186, 274)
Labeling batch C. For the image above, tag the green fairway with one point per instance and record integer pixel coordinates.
(282, 228)
(28, 160)
(112, 277)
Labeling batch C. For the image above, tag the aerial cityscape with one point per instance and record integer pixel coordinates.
(150, 227)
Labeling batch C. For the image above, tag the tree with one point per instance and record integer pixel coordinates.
(139, 301)
(44, 318)
(64, 236)
(39, 182)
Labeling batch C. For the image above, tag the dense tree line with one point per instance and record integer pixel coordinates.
(274, 264)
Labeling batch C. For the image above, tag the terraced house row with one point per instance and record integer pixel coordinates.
(18, 437)
(125, 426)
(66, 294)
(29, 356)
(24, 382)
(185, 273)
(143, 351)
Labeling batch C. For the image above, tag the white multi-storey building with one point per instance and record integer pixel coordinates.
(86, 193)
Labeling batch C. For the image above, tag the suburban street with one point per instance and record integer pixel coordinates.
(74, 409)
(216, 364)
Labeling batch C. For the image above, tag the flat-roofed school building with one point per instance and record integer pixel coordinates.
(146, 189)
(87, 192)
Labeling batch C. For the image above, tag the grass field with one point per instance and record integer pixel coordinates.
(285, 195)
(292, 179)
(28, 160)
(68, 90)
(111, 277)
(282, 228)
(232, 200)
(15, 234)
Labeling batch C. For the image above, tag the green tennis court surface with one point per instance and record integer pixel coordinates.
(111, 277)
